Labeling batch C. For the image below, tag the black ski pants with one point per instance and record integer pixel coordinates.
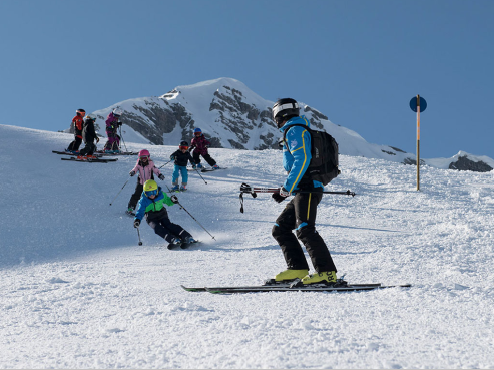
(89, 149)
(206, 157)
(300, 215)
(167, 230)
(74, 145)
(136, 196)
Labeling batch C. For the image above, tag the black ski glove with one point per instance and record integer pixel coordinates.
(132, 173)
(174, 199)
(281, 196)
(137, 222)
(161, 176)
(278, 198)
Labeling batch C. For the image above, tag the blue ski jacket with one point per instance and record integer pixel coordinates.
(297, 159)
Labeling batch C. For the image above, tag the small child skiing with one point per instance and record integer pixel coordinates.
(152, 204)
(146, 168)
(89, 135)
(181, 157)
(78, 122)
(200, 145)
(112, 145)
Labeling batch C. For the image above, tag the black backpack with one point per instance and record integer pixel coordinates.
(323, 166)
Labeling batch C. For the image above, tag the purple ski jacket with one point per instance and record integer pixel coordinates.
(199, 144)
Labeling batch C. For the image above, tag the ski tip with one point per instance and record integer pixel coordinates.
(188, 289)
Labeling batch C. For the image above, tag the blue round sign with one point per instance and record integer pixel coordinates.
(414, 104)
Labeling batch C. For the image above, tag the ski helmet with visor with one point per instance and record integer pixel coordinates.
(183, 145)
(150, 188)
(285, 109)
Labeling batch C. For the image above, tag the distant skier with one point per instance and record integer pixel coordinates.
(77, 123)
(146, 168)
(112, 124)
(200, 145)
(300, 213)
(89, 135)
(181, 157)
(152, 204)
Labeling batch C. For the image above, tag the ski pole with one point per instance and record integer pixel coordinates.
(182, 207)
(139, 236)
(121, 137)
(119, 191)
(246, 189)
(201, 176)
(165, 163)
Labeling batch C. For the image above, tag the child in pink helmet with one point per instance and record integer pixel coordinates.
(145, 168)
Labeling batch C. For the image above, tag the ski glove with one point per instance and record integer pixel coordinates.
(137, 222)
(132, 173)
(194, 166)
(174, 199)
(161, 176)
(172, 157)
(281, 196)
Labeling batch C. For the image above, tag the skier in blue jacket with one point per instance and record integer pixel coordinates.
(300, 213)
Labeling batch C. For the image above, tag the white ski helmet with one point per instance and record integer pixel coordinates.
(117, 112)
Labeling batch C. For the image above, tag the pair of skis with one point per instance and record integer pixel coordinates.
(207, 169)
(95, 157)
(339, 287)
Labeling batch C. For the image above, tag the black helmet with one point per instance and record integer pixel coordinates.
(183, 143)
(285, 108)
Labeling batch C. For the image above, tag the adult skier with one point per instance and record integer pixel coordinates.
(89, 135)
(77, 122)
(152, 204)
(300, 213)
(200, 146)
(112, 124)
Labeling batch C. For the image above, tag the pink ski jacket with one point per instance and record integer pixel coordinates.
(146, 171)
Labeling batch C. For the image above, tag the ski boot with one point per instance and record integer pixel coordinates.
(287, 277)
(215, 167)
(199, 165)
(325, 278)
(175, 189)
(183, 188)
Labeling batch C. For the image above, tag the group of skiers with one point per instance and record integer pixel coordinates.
(84, 131)
(299, 215)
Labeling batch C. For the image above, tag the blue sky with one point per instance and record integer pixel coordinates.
(359, 62)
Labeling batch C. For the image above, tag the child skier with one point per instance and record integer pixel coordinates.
(112, 124)
(181, 157)
(152, 204)
(200, 145)
(78, 122)
(146, 168)
(89, 135)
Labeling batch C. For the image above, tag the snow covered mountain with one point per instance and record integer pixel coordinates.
(233, 116)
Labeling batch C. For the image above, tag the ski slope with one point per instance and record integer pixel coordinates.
(76, 291)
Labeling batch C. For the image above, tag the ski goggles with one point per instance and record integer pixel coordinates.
(198, 133)
(183, 147)
(144, 157)
(151, 193)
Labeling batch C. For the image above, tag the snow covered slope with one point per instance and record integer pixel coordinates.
(234, 116)
(76, 291)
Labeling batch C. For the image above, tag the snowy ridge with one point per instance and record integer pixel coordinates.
(234, 116)
(76, 291)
